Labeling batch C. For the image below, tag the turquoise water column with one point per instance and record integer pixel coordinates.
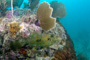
(24, 1)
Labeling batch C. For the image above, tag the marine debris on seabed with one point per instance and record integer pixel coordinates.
(30, 35)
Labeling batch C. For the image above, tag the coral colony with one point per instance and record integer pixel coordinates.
(25, 34)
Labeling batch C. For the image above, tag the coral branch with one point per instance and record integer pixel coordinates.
(12, 7)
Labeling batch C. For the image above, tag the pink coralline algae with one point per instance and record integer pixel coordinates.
(24, 30)
(9, 14)
(33, 28)
(24, 24)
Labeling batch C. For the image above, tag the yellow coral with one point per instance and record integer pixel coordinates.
(44, 13)
(14, 28)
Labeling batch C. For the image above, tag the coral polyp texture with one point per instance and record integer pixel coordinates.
(44, 13)
(34, 35)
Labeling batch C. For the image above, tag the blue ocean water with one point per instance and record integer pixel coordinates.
(77, 24)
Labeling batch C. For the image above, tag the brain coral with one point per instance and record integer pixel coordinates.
(44, 13)
(58, 9)
(67, 53)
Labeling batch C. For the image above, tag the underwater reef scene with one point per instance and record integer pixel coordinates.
(33, 31)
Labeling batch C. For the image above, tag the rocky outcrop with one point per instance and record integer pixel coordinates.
(68, 52)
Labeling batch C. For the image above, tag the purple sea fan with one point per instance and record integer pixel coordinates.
(37, 23)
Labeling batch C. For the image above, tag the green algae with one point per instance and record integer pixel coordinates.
(36, 40)
(42, 40)
(16, 44)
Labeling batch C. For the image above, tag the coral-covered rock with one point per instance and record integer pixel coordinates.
(22, 12)
(34, 28)
(1, 28)
(12, 55)
(31, 41)
(9, 14)
(68, 52)
(24, 30)
(14, 28)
